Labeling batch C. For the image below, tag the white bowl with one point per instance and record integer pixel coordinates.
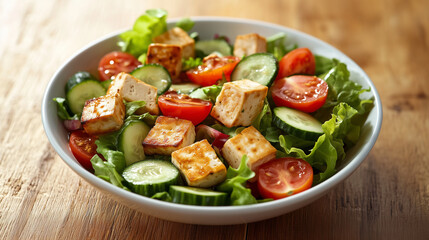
(87, 59)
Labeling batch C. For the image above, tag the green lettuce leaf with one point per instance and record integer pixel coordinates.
(209, 93)
(232, 131)
(235, 184)
(186, 24)
(342, 89)
(276, 45)
(163, 196)
(62, 110)
(263, 123)
(329, 148)
(132, 107)
(147, 118)
(324, 64)
(106, 146)
(146, 27)
(107, 171)
(191, 63)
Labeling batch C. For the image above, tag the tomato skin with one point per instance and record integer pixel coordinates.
(301, 92)
(297, 61)
(113, 63)
(283, 177)
(212, 70)
(83, 147)
(182, 106)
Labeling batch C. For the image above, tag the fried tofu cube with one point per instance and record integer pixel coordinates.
(167, 55)
(199, 165)
(178, 36)
(132, 89)
(103, 114)
(248, 44)
(249, 142)
(239, 103)
(168, 135)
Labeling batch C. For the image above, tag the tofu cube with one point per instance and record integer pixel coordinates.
(168, 135)
(248, 44)
(103, 114)
(199, 165)
(132, 89)
(167, 55)
(249, 142)
(178, 36)
(239, 103)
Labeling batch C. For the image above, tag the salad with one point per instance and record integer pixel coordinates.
(211, 121)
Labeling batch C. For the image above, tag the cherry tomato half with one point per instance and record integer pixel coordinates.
(304, 93)
(182, 106)
(297, 61)
(83, 147)
(283, 177)
(115, 62)
(212, 70)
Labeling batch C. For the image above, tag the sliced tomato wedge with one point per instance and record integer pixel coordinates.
(304, 93)
(283, 177)
(182, 106)
(297, 61)
(83, 147)
(212, 70)
(115, 62)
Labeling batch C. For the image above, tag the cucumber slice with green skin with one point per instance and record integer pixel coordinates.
(155, 75)
(130, 141)
(150, 176)
(259, 67)
(297, 123)
(185, 88)
(78, 78)
(209, 46)
(82, 91)
(197, 196)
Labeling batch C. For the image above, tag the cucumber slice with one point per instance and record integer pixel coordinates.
(78, 78)
(185, 88)
(209, 46)
(197, 196)
(155, 75)
(80, 91)
(297, 123)
(150, 176)
(259, 67)
(130, 141)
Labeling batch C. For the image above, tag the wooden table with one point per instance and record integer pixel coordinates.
(386, 198)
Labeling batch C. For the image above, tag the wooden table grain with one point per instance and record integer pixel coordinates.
(386, 198)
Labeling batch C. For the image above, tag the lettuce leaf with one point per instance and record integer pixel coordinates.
(191, 63)
(232, 131)
(276, 45)
(263, 123)
(107, 171)
(186, 24)
(63, 111)
(132, 107)
(146, 27)
(235, 184)
(329, 148)
(342, 89)
(324, 64)
(106, 146)
(163, 196)
(209, 93)
(147, 118)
